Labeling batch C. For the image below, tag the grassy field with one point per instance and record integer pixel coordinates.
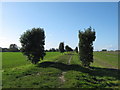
(106, 59)
(16, 59)
(60, 71)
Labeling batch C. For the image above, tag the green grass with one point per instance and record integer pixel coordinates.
(76, 79)
(105, 59)
(75, 59)
(13, 59)
(19, 73)
(64, 59)
(31, 76)
(52, 56)
(16, 59)
(100, 77)
(101, 59)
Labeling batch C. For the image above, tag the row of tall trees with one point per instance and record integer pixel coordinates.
(33, 42)
(66, 48)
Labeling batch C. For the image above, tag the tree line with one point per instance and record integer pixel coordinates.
(15, 48)
(18, 49)
(65, 49)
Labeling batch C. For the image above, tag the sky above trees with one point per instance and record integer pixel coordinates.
(61, 22)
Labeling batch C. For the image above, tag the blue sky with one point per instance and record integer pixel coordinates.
(61, 22)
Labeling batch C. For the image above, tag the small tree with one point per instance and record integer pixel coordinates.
(104, 49)
(33, 42)
(67, 48)
(76, 49)
(13, 48)
(57, 50)
(61, 47)
(52, 50)
(85, 45)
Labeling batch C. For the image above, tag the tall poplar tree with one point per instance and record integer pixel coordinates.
(86, 39)
(61, 47)
(76, 49)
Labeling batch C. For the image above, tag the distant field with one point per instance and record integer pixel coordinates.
(60, 71)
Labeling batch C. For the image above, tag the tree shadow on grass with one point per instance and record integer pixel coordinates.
(94, 71)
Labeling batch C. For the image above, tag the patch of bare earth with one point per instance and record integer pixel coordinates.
(62, 79)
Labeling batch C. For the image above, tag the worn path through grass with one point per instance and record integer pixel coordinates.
(62, 78)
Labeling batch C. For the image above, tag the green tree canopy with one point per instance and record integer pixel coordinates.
(61, 47)
(76, 49)
(67, 48)
(13, 48)
(33, 42)
(104, 49)
(86, 39)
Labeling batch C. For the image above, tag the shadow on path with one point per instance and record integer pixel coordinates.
(94, 71)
